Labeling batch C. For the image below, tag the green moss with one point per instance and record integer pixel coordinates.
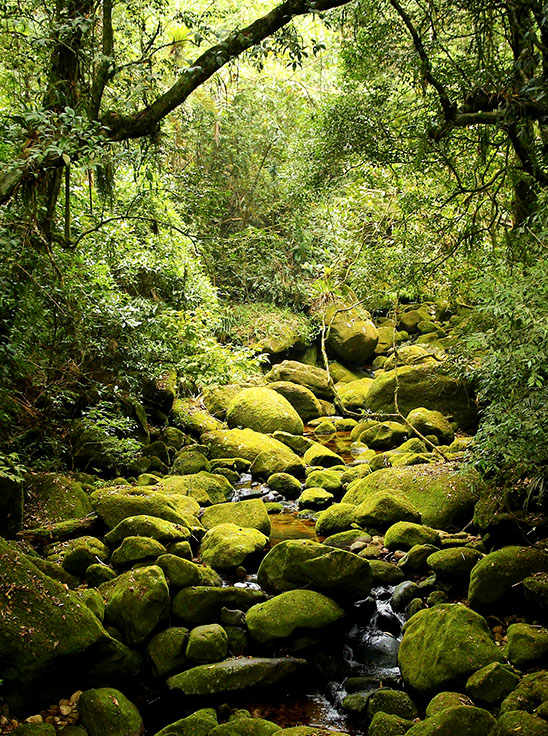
(319, 455)
(519, 722)
(207, 643)
(107, 712)
(405, 534)
(385, 573)
(301, 399)
(446, 699)
(491, 683)
(49, 498)
(76, 555)
(245, 726)
(329, 480)
(454, 562)
(311, 377)
(352, 336)
(166, 650)
(249, 514)
(270, 462)
(353, 394)
(114, 505)
(384, 724)
(203, 604)
(285, 484)
(394, 702)
(530, 693)
(527, 644)
(464, 720)
(384, 435)
(384, 508)
(315, 498)
(147, 526)
(429, 422)
(136, 549)
(340, 517)
(453, 640)
(187, 415)
(263, 410)
(190, 461)
(227, 545)
(203, 487)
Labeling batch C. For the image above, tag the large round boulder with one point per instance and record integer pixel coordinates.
(301, 399)
(226, 546)
(264, 411)
(423, 386)
(443, 645)
(301, 563)
(352, 336)
(309, 376)
(251, 514)
(105, 711)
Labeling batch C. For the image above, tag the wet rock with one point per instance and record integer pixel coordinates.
(498, 573)
(339, 517)
(329, 480)
(296, 611)
(136, 549)
(492, 683)
(147, 526)
(235, 674)
(405, 534)
(381, 509)
(250, 514)
(301, 563)
(461, 719)
(136, 602)
(455, 642)
(519, 722)
(114, 505)
(207, 643)
(203, 604)
(227, 545)
(107, 712)
(384, 435)
(263, 410)
(301, 399)
(429, 422)
(166, 650)
(527, 645)
(203, 488)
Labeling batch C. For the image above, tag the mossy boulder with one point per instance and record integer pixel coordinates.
(235, 674)
(35, 729)
(263, 410)
(241, 724)
(444, 495)
(227, 545)
(270, 462)
(414, 561)
(136, 602)
(317, 455)
(46, 628)
(329, 480)
(147, 526)
(301, 399)
(112, 505)
(339, 517)
(499, 572)
(136, 549)
(76, 555)
(217, 399)
(446, 699)
(423, 386)
(464, 720)
(410, 318)
(49, 498)
(250, 514)
(296, 442)
(352, 336)
(199, 723)
(166, 650)
(188, 415)
(527, 645)
(315, 499)
(285, 484)
(406, 534)
(181, 573)
(429, 422)
(454, 563)
(535, 589)
(520, 722)
(203, 487)
(341, 374)
(492, 683)
(408, 355)
(190, 461)
(203, 604)
(207, 643)
(353, 394)
(384, 435)
(384, 724)
(384, 508)
(313, 378)
(107, 712)
(302, 563)
(244, 443)
(385, 573)
(291, 613)
(453, 640)
(395, 702)
(530, 694)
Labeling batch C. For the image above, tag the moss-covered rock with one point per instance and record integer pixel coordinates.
(529, 695)
(406, 534)
(217, 399)
(227, 545)
(429, 422)
(107, 712)
(329, 480)
(492, 683)
(271, 462)
(136, 602)
(302, 563)
(498, 573)
(385, 573)
(34, 729)
(136, 549)
(384, 435)
(464, 720)
(318, 455)
(352, 336)
(535, 589)
(415, 560)
(207, 643)
(285, 484)
(244, 443)
(444, 495)
(519, 722)
(166, 650)
(46, 628)
(97, 574)
(311, 377)
(248, 514)
(147, 526)
(422, 386)
(454, 641)
(199, 723)
(408, 355)
(235, 674)
(49, 498)
(384, 724)
(76, 555)
(527, 645)
(203, 604)
(187, 415)
(296, 443)
(241, 724)
(446, 699)
(353, 394)
(410, 318)
(190, 461)
(291, 613)
(315, 498)
(384, 508)
(301, 399)
(454, 563)
(114, 505)
(263, 410)
(394, 702)
(203, 487)
(339, 517)
(181, 573)
(94, 601)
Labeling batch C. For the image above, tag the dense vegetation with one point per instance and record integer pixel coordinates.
(171, 174)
